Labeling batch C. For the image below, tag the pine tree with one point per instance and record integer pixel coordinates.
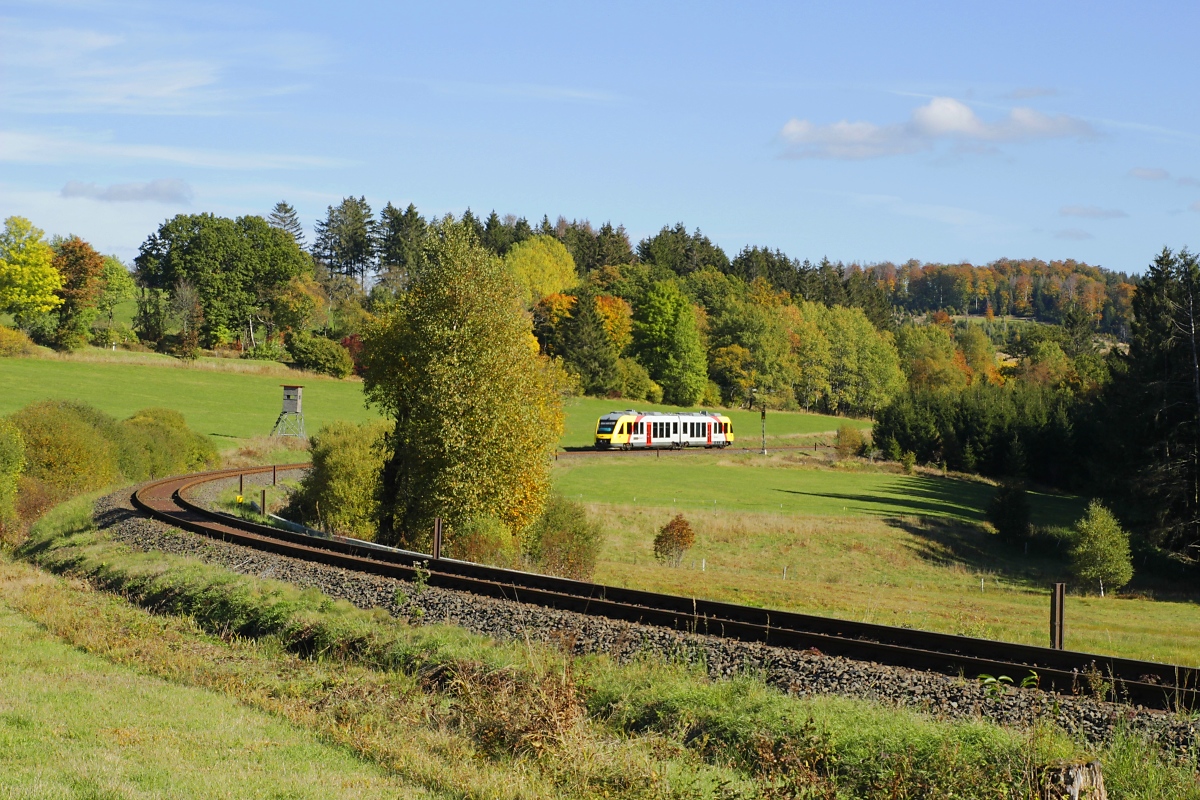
(284, 217)
(589, 349)
(402, 236)
(346, 239)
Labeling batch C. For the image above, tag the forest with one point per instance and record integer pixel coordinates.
(1059, 374)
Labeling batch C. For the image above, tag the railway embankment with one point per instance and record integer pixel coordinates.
(800, 673)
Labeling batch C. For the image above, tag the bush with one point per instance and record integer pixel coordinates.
(1101, 552)
(849, 440)
(156, 442)
(12, 462)
(14, 343)
(673, 540)
(634, 381)
(354, 346)
(64, 449)
(339, 493)
(267, 351)
(908, 460)
(485, 540)
(564, 541)
(1009, 512)
(712, 396)
(317, 354)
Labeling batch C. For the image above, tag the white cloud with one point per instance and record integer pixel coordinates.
(1149, 173)
(941, 119)
(1092, 212)
(17, 147)
(1195, 206)
(1073, 234)
(163, 190)
(1189, 182)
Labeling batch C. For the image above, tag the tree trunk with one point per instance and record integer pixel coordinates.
(1073, 782)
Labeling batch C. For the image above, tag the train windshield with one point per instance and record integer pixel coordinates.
(606, 426)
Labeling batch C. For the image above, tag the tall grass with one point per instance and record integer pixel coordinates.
(588, 726)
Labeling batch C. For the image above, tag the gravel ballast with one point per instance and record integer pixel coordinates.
(800, 673)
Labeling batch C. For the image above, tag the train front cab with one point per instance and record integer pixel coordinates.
(612, 431)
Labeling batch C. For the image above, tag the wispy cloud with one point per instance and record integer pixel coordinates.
(139, 70)
(1092, 212)
(164, 190)
(31, 148)
(1030, 92)
(942, 119)
(1195, 206)
(1073, 234)
(1149, 173)
(1188, 182)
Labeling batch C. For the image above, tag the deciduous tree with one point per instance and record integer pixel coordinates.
(541, 266)
(28, 280)
(667, 341)
(81, 268)
(477, 411)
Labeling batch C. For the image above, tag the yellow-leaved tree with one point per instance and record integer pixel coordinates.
(541, 266)
(477, 412)
(28, 279)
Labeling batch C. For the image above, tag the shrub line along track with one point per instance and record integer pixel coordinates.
(1145, 683)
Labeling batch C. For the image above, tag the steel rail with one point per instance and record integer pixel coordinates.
(1146, 683)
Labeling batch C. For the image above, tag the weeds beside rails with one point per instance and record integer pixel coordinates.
(554, 725)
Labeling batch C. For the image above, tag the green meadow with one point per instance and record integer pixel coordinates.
(74, 725)
(230, 399)
(785, 483)
(215, 399)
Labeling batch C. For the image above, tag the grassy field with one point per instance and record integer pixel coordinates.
(231, 399)
(945, 577)
(860, 544)
(224, 404)
(784, 483)
(74, 725)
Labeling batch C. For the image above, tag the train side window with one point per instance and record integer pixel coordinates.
(674, 427)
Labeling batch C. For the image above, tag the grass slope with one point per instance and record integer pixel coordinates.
(224, 399)
(224, 405)
(75, 725)
(947, 577)
(784, 484)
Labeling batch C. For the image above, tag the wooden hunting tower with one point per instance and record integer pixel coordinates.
(291, 418)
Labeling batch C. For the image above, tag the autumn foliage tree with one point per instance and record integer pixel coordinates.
(81, 268)
(28, 279)
(477, 411)
(673, 540)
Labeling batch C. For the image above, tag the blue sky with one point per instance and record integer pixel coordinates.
(860, 131)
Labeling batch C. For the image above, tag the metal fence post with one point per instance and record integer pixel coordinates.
(1057, 597)
(437, 538)
(274, 476)
(264, 502)
(241, 483)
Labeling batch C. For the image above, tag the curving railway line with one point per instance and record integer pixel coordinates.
(1145, 683)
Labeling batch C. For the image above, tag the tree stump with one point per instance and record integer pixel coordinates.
(1073, 782)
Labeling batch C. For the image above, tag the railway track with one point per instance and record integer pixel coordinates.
(1145, 683)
